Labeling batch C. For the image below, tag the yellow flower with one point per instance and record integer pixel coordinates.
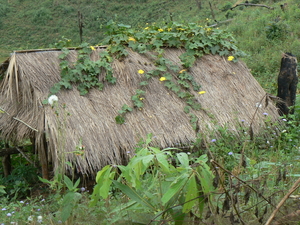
(179, 29)
(141, 99)
(169, 29)
(141, 71)
(201, 92)
(230, 58)
(131, 39)
(160, 30)
(146, 28)
(162, 78)
(181, 71)
(92, 47)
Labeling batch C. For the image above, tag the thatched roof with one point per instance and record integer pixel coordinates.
(232, 95)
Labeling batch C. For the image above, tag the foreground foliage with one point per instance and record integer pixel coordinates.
(214, 180)
(151, 182)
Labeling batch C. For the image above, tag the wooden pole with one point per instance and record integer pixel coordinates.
(80, 25)
(6, 162)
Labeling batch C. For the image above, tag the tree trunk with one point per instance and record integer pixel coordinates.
(199, 4)
(287, 84)
(212, 12)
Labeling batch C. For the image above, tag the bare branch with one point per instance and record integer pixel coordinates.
(2, 110)
(292, 189)
(250, 4)
(25, 156)
(25, 124)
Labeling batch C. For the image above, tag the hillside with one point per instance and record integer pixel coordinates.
(261, 32)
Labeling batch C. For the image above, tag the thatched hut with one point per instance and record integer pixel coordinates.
(232, 95)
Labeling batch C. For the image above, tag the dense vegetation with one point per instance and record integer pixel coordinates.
(234, 179)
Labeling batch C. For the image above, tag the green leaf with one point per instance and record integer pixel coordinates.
(196, 106)
(175, 88)
(133, 45)
(102, 173)
(132, 194)
(126, 108)
(163, 162)
(144, 83)
(178, 216)
(183, 159)
(68, 204)
(183, 83)
(68, 183)
(55, 88)
(2, 189)
(77, 183)
(206, 179)
(120, 119)
(140, 92)
(191, 193)
(187, 109)
(158, 43)
(174, 42)
(149, 139)
(155, 150)
(215, 49)
(139, 104)
(183, 94)
(45, 180)
(104, 180)
(147, 159)
(176, 186)
(205, 174)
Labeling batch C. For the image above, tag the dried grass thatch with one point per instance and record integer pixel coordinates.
(232, 95)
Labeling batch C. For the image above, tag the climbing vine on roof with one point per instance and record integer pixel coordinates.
(197, 41)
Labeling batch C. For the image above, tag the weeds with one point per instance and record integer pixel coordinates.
(242, 181)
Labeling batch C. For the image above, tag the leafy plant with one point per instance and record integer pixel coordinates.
(19, 183)
(276, 30)
(84, 72)
(69, 201)
(152, 182)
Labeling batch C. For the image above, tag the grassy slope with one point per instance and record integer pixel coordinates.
(35, 24)
(29, 24)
